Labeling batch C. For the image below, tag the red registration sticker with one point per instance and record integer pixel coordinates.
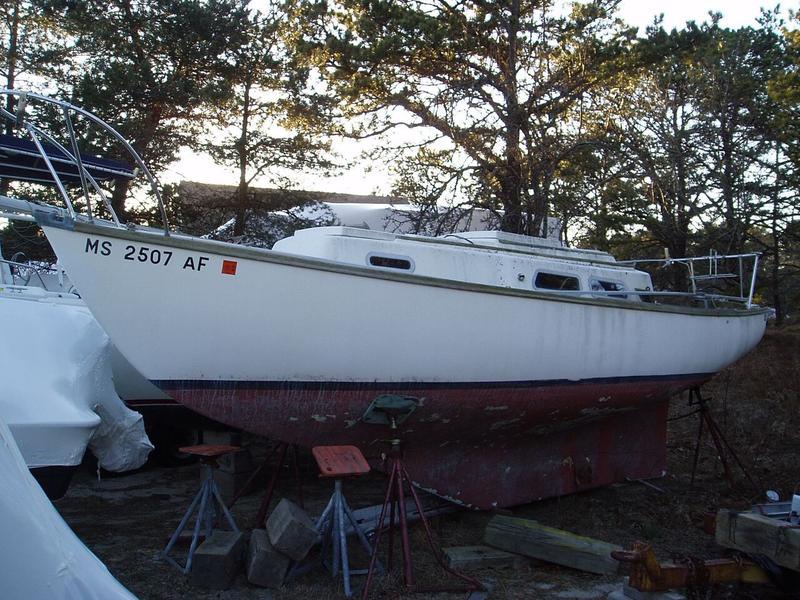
(229, 267)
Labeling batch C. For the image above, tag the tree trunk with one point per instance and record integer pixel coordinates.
(775, 272)
(511, 178)
(242, 195)
(118, 197)
(11, 68)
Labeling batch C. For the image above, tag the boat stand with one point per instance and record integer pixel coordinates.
(206, 497)
(281, 448)
(394, 503)
(338, 462)
(718, 438)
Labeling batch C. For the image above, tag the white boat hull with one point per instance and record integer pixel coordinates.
(286, 321)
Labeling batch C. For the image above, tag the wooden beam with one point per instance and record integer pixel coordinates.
(750, 532)
(533, 539)
(466, 558)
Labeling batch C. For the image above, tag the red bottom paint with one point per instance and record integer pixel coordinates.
(485, 445)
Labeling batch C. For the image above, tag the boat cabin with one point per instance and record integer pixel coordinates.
(493, 258)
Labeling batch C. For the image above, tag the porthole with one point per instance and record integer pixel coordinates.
(554, 281)
(390, 262)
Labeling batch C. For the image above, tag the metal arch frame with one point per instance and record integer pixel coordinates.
(66, 109)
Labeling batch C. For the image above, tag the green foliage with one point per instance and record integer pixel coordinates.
(684, 139)
(270, 118)
(151, 68)
(495, 83)
(30, 44)
(22, 242)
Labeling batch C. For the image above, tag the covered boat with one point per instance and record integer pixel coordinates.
(41, 557)
(58, 395)
(514, 368)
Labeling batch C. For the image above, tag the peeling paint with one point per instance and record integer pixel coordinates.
(493, 408)
(293, 419)
(348, 423)
(431, 419)
(604, 398)
(593, 411)
(447, 497)
(320, 418)
(501, 424)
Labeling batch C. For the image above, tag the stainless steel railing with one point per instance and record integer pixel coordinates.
(709, 269)
(20, 120)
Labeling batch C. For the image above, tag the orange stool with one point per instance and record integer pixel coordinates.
(339, 462)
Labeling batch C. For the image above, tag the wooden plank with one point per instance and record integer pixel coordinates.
(750, 532)
(533, 539)
(480, 557)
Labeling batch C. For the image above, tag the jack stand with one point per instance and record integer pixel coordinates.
(207, 496)
(395, 502)
(339, 462)
(718, 438)
(281, 449)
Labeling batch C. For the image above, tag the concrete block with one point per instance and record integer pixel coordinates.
(230, 483)
(291, 530)
(265, 565)
(217, 560)
(236, 462)
(222, 438)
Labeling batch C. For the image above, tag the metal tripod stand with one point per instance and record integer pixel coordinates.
(395, 505)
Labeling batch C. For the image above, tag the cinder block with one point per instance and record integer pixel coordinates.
(230, 483)
(217, 560)
(222, 438)
(291, 530)
(265, 565)
(236, 462)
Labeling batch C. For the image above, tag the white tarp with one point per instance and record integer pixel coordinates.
(56, 389)
(40, 556)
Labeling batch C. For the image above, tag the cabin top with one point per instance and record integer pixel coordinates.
(482, 257)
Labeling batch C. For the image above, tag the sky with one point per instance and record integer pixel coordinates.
(375, 179)
(736, 13)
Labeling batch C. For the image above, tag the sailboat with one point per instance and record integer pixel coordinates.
(512, 368)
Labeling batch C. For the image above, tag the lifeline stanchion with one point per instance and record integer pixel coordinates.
(395, 503)
(206, 497)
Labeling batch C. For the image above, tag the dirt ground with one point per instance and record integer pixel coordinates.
(127, 520)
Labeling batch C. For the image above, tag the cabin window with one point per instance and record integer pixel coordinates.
(390, 262)
(554, 281)
(600, 285)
